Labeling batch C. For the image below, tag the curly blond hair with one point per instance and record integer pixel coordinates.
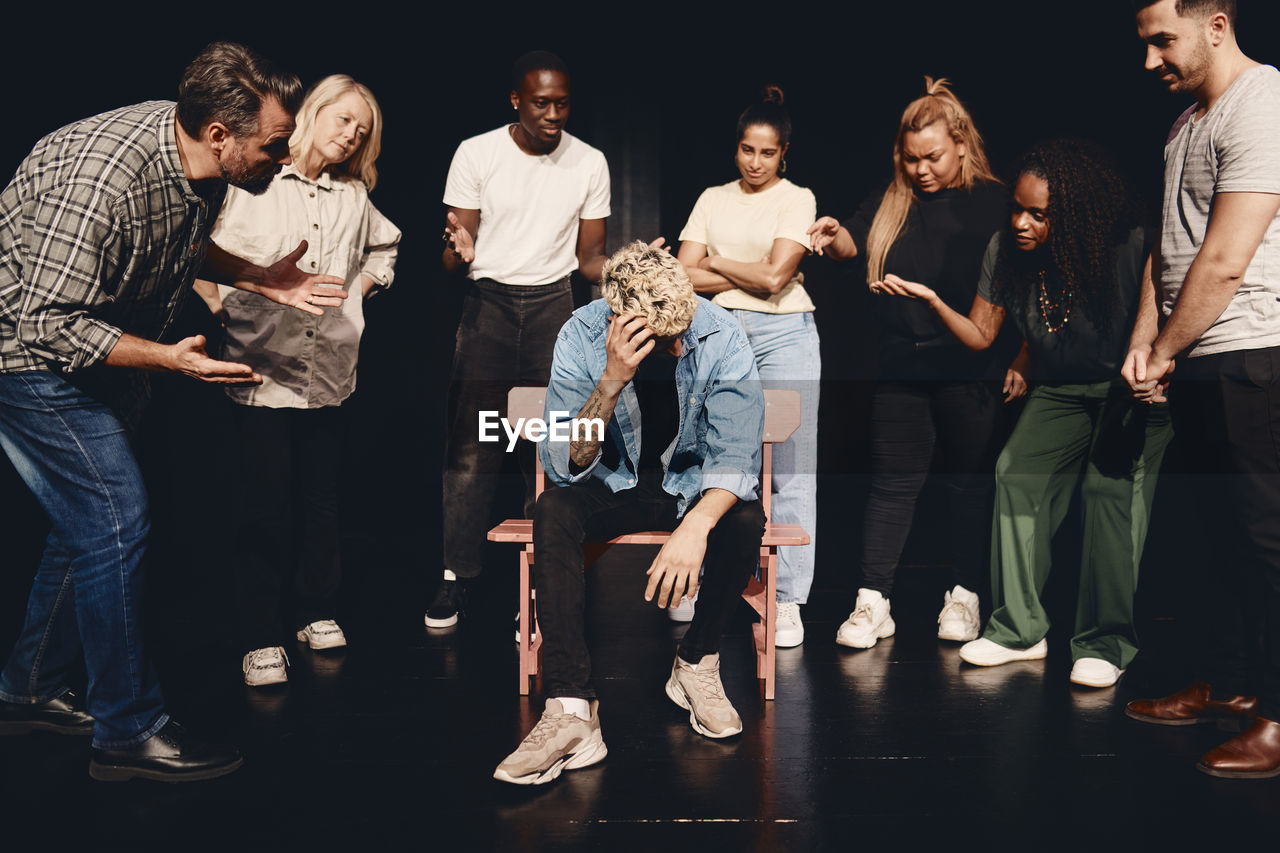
(649, 283)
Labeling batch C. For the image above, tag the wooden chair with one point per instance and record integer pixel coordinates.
(782, 417)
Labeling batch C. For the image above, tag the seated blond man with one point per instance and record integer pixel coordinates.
(673, 380)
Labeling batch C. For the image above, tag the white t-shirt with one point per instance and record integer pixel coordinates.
(529, 205)
(1234, 147)
(742, 227)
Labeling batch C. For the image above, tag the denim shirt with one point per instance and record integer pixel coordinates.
(717, 445)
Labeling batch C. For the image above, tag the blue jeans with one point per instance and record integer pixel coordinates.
(787, 356)
(74, 455)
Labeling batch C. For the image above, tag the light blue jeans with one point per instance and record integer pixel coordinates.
(787, 356)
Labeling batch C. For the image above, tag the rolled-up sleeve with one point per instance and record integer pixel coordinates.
(734, 411)
(381, 247)
(71, 243)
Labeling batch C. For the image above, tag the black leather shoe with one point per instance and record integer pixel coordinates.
(169, 755)
(62, 716)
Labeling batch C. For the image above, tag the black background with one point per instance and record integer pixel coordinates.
(658, 89)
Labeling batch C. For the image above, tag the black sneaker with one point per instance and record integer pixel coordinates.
(448, 603)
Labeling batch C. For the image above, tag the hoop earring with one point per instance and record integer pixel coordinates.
(783, 169)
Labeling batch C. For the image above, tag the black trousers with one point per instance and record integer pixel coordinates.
(1226, 416)
(908, 418)
(287, 522)
(568, 516)
(505, 338)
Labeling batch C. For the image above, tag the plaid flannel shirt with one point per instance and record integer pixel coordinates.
(100, 233)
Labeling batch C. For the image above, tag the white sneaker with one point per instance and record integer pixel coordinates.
(983, 652)
(788, 629)
(324, 634)
(265, 666)
(682, 610)
(869, 621)
(1095, 672)
(958, 620)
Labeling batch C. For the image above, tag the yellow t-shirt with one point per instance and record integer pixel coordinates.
(742, 227)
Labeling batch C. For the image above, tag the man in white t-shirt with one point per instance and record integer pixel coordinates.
(527, 204)
(1212, 302)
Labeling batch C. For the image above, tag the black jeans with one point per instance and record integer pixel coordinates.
(907, 419)
(505, 338)
(1226, 416)
(568, 516)
(287, 522)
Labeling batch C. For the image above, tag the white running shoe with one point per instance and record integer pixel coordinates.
(869, 621)
(265, 666)
(682, 610)
(958, 620)
(323, 634)
(984, 652)
(1095, 672)
(788, 629)
(560, 741)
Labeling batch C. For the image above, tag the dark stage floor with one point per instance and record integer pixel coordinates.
(393, 743)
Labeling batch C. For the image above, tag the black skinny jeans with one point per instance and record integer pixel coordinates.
(287, 517)
(505, 338)
(1226, 416)
(907, 419)
(568, 516)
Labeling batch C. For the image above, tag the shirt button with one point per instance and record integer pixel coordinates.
(312, 194)
(315, 225)
(631, 482)
(313, 264)
(310, 334)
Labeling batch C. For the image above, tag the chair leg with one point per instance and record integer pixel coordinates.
(770, 569)
(527, 658)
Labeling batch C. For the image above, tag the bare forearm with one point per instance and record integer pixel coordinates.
(708, 511)
(759, 278)
(968, 332)
(1205, 294)
(1146, 323)
(603, 399)
(591, 266)
(225, 268)
(140, 354)
(453, 262)
(842, 247)
(705, 281)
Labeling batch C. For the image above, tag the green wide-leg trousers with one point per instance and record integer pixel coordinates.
(1097, 437)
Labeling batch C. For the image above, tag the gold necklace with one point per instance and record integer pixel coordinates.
(1048, 307)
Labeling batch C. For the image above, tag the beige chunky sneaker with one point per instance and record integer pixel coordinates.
(324, 634)
(696, 687)
(560, 741)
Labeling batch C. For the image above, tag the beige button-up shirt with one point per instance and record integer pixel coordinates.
(305, 361)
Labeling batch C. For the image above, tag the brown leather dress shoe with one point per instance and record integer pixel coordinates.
(1193, 705)
(1252, 755)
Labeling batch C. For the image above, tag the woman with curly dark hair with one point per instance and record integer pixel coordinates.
(1068, 270)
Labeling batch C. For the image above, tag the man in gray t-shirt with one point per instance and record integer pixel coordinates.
(1212, 301)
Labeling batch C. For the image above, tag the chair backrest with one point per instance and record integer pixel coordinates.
(781, 419)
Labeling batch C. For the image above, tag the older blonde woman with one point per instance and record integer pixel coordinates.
(290, 428)
(931, 224)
